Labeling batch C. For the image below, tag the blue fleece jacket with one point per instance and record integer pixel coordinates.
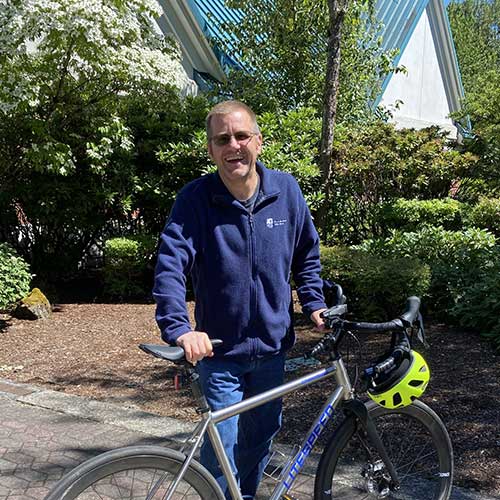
(240, 264)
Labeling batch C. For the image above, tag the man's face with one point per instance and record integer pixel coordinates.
(234, 146)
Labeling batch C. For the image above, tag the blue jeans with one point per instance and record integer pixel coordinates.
(247, 437)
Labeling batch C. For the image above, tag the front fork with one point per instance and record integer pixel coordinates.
(358, 408)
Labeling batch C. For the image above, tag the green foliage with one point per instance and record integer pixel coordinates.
(486, 215)
(126, 266)
(170, 150)
(70, 74)
(83, 113)
(15, 277)
(474, 26)
(478, 306)
(475, 32)
(282, 47)
(410, 215)
(64, 67)
(291, 144)
(456, 258)
(376, 164)
(483, 108)
(376, 287)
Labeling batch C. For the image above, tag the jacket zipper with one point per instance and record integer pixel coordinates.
(253, 284)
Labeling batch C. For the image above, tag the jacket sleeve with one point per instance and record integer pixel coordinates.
(306, 266)
(176, 257)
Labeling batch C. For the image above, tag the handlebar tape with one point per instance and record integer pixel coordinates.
(411, 310)
(395, 324)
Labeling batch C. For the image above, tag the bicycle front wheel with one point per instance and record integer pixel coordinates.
(136, 472)
(417, 443)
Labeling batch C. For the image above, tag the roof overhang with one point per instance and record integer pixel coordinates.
(178, 19)
(445, 50)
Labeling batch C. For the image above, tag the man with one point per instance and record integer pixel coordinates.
(240, 233)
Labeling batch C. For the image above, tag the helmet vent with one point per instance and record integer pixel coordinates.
(423, 368)
(396, 399)
(415, 383)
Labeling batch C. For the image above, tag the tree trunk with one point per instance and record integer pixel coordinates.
(337, 10)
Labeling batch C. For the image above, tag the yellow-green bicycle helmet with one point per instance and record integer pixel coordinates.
(403, 384)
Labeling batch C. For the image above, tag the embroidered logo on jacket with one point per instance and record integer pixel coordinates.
(270, 223)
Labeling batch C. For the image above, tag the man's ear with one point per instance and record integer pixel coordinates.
(209, 149)
(258, 138)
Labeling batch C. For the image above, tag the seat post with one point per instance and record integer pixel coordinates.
(197, 391)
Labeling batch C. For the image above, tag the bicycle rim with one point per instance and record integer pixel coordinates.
(136, 473)
(419, 448)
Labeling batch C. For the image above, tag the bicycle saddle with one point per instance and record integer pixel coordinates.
(169, 353)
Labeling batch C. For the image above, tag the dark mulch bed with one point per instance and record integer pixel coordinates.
(91, 350)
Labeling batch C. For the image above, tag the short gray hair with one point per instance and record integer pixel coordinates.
(226, 107)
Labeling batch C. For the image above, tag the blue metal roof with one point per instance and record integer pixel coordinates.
(211, 16)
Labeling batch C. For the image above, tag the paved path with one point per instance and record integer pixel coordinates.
(45, 433)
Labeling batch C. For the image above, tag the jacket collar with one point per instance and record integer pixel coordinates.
(268, 187)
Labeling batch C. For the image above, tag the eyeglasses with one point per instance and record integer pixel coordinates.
(242, 138)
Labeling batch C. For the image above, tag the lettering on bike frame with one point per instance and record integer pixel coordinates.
(308, 446)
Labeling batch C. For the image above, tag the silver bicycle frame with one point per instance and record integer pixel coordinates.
(342, 391)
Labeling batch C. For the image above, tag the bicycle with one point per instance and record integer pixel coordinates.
(376, 452)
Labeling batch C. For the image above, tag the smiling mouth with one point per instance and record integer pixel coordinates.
(234, 159)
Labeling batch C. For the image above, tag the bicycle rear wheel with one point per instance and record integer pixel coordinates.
(134, 473)
(417, 443)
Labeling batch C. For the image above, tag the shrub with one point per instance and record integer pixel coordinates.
(15, 277)
(478, 306)
(126, 265)
(376, 287)
(409, 215)
(455, 258)
(376, 164)
(291, 144)
(486, 214)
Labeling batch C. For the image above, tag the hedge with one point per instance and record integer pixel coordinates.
(376, 287)
(127, 266)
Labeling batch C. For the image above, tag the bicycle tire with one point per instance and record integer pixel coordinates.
(415, 439)
(132, 472)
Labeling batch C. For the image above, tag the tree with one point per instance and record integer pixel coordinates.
(67, 70)
(281, 48)
(474, 26)
(476, 35)
(67, 63)
(337, 11)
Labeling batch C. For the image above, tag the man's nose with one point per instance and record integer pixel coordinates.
(233, 142)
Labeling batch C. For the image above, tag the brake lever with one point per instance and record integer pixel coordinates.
(330, 313)
(417, 329)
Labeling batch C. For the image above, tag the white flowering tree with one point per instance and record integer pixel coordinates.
(67, 60)
(68, 71)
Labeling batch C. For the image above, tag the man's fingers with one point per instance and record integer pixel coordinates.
(318, 320)
(196, 346)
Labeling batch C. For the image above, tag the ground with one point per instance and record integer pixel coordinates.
(91, 350)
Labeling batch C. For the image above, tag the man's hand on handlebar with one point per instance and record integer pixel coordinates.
(318, 320)
(196, 345)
